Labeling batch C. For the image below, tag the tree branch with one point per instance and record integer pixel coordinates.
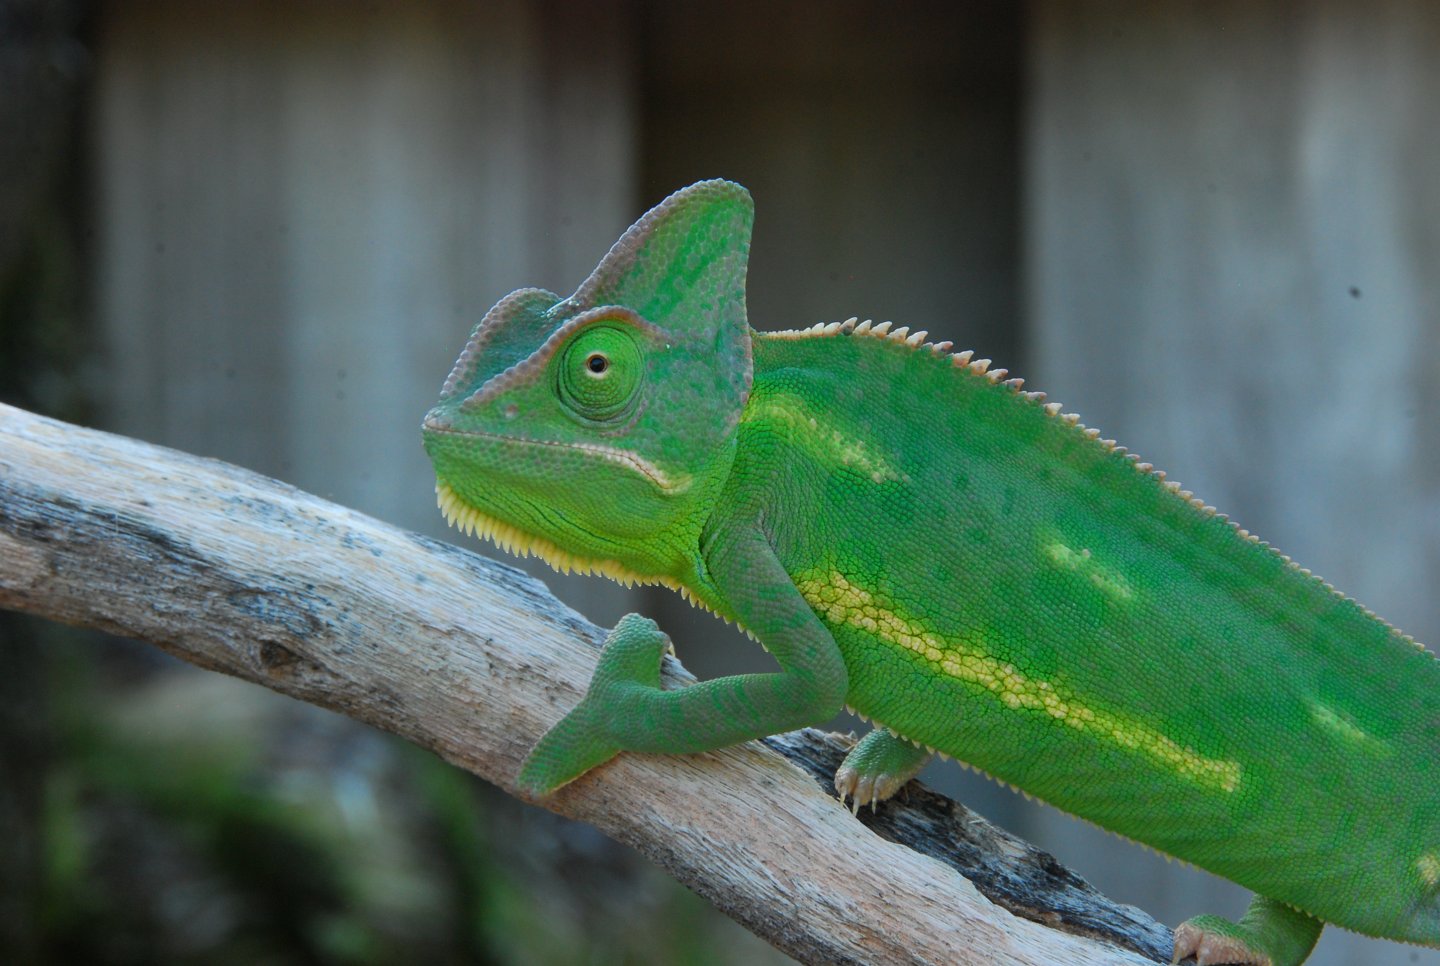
(473, 660)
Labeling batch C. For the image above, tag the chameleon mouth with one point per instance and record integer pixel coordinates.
(624, 458)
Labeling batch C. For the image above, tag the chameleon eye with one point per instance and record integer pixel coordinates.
(600, 371)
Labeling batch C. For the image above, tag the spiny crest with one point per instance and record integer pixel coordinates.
(981, 367)
(915, 340)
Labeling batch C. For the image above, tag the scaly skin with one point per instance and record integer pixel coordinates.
(916, 537)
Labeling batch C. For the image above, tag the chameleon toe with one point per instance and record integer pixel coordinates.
(1213, 949)
(1270, 934)
(878, 767)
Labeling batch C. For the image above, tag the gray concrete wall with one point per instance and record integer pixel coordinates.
(305, 207)
(1233, 263)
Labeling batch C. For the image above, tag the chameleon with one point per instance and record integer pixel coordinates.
(913, 535)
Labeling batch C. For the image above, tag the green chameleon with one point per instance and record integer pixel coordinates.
(914, 536)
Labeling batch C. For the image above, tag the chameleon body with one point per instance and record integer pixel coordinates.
(915, 536)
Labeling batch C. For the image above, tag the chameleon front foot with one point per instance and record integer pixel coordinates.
(586, 737)
(1270, 934)
(877, 768)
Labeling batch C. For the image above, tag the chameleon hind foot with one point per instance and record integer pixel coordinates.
(586, 737)
(877, 768)
(1270, 934)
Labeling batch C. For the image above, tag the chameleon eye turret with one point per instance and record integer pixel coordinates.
(601, 371)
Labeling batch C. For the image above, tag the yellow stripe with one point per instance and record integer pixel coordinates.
(1428, 865)
(819, 438)
(841, 602)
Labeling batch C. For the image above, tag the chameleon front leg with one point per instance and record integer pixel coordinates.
(625, 709)
(1269, 934)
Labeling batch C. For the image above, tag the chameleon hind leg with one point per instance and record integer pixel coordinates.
(1269, 934)
(878, 767)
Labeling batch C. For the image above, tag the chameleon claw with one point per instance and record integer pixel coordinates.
(1212, 949)
(878, 767)
(1270, 934)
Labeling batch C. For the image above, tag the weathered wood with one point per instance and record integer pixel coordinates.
(473, 660)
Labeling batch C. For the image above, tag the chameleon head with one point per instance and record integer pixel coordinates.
(612, 411)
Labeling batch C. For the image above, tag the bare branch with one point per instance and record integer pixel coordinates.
(469, 658)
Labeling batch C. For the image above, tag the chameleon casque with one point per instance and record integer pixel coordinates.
(913, 535)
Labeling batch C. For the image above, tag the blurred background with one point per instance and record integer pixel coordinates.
(261, 231)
